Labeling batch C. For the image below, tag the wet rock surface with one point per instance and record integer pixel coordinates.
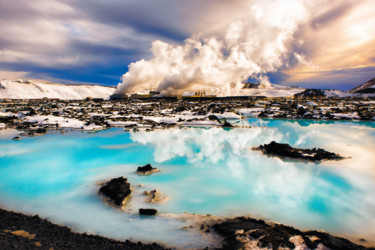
(19, 231)
(227, 124)
(147, 169)
(148, 211)
(286, 151)
(116, 191)
(242, 233)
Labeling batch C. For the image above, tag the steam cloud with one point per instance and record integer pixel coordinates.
(218, 63)
(297, 37)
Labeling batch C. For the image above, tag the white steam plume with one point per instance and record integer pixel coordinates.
(218, 63)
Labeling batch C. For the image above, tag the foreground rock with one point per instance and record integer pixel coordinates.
(116, 191)
(147, 169)
(247, 233)
(285, 150)
(147, 211)
(18, 231)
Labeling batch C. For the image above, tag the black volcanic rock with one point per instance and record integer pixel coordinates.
(227, 124)
(213, 118)
(40, 131)
(311, 93)
(146, 169)
(285, 150)
(238, 231)
(147, 211)
(52, 236)
(116, 190)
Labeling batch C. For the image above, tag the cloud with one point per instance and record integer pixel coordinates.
(295, 39)
(337, 39)
(302, 39)
(54, 36)
(12, 75)
(219, 62)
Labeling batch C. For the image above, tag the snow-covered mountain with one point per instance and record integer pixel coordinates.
(312, 93)
(26, 89)
(30, 89)
(269, 90)
(365, 88)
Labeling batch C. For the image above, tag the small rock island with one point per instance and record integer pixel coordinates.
(286, 151)
(146, 170)
(116, 191)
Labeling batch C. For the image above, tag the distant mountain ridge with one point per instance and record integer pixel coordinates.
(365, 88)
(30, 89)
(323, 93)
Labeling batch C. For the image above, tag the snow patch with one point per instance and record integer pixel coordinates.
(19, 89)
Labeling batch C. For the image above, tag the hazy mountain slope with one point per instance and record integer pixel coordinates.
(24, 89)
(367, 87)
(323, 93)
(270, 90)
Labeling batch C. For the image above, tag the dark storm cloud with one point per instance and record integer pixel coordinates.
(95, 40)
(153, 17)
(16, 10)
(110, 51)
(333, 14)
(48, 36)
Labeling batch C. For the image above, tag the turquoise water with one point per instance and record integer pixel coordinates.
(203, 170)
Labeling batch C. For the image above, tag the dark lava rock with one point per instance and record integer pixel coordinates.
(116, 190)
(274, 236)
(40, 131)
(285, 150)
(213, 118)
(227, 124)
(17, 138)
(52, 236)
(311, 93)
(147, 211)
(180, 109)
(146, 169)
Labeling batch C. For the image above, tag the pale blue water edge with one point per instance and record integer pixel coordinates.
(203, 170)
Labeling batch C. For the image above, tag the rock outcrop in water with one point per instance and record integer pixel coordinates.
(226, 124)
(147, 169)
(285, 150)
(116, 191)
(248, 233)
(147, 211)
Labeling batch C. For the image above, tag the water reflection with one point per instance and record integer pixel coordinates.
(308, 195)
(204, 170)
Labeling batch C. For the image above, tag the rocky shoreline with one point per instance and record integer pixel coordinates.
(19, 231)
(249, 233)
(36, 117)
(240, 232)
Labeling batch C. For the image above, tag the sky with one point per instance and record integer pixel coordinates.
(179, 45)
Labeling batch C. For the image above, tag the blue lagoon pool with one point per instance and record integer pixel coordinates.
(203, 170)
